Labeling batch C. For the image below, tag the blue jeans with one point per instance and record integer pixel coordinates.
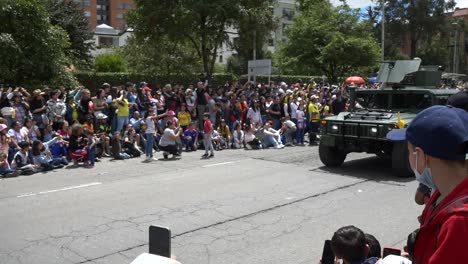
(121, 121)
(271, 141)
(4, 171)
(208, 144)
(149, 145)
(92, 155)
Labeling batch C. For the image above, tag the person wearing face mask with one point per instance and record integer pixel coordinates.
(438, 145)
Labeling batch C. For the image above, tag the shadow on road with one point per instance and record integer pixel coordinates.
(372, 168)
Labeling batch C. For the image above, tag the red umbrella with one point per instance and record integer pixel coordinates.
(355, 79)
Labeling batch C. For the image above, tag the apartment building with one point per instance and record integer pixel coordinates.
(109, 12)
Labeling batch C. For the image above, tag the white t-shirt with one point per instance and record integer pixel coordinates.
(293, 107)
(167, 138)
(300, 115)
(18, 136)
(151, 128)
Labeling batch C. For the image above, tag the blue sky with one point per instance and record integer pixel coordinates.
(365, 3)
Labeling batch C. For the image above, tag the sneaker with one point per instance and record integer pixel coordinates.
(148, 159)
(177, 155)
(211, 155)
(205, 155)
(278, 147)
(90, 166)
(154, 159)
(106, 155)
(166, 156)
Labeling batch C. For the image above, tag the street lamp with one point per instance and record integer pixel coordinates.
(455, 64)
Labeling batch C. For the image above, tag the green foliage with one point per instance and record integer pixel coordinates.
(162, 57)
(93, 80)
(200, 24)
(332, 40)
(32, 49)
(68, 16)
(110, 62)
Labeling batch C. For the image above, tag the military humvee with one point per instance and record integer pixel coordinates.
(407, 89)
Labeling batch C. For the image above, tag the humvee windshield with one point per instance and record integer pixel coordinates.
(394, 100)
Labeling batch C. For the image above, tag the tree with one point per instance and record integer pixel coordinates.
(68, 16)
(200, 23)
(332, 40)
(164, 57)
(110, 62)
(32, 48)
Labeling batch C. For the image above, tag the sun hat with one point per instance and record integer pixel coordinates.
(440, 131)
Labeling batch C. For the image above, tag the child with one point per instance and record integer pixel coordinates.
(42, 156)
(207, 140)
(22, 162)
(184, 117)
(5, 169)
(117, 147)
(91, 147)
(150, 132)
(191, 138)
(300, 125)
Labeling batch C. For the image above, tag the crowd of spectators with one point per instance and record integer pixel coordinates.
(47, 128)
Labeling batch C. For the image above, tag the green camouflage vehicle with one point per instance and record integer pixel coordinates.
(408, 88)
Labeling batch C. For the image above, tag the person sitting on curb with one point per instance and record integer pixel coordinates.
(438, 145)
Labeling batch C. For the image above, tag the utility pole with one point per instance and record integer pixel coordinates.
(455, 64)
(383, 30)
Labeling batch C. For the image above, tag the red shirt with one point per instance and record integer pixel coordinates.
(443, 236)
(207, 127)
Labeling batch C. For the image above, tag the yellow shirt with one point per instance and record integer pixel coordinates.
(184, 118)
(314, 112)
(122, 107)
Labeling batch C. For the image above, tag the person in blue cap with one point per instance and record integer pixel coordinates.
(438, 145)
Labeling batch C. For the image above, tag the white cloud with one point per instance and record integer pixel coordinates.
(462, 3)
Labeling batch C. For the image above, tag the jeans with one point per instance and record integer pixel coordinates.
(276, 124)
(121, 121)
(289, 134)
(208, 144)
(149, 145)
(4, 171)
(92, 155)
(269, 140)
(300, 132)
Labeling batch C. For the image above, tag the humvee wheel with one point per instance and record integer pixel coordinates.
(400, 162)
(331, 156)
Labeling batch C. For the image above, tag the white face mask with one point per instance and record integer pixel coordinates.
(426, 177)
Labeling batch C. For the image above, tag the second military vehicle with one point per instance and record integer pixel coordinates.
(407, 89)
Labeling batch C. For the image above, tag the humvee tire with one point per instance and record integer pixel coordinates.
(331, 156)
(400, 162)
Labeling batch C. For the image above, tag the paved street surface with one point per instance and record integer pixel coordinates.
(270, 206)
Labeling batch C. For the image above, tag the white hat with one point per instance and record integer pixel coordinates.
(101, 116)
(334, 96)
(393, 259)
(283, 84)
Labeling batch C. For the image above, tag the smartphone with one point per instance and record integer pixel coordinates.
(391, 251)
(327, 255)
(160, 241)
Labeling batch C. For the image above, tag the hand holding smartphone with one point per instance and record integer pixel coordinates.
(160, 241)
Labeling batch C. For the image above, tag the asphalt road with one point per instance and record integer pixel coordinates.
(268, 206)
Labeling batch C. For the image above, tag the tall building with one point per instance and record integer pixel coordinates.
(109, 12)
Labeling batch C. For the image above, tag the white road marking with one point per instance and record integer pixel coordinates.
(60, 190)
(289, 197)
(218, 164)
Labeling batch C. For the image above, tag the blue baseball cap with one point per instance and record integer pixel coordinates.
(440, 131)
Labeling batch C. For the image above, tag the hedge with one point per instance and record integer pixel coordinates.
(94, 80)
